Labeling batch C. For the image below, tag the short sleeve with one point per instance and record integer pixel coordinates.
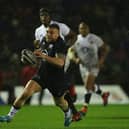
(99, 42)
(64, 29)
(36, 35)
(61, 47)
(96, 39)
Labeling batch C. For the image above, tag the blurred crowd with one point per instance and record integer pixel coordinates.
(108, 19)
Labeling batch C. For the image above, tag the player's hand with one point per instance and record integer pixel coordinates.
(39, 54)
(71, 53)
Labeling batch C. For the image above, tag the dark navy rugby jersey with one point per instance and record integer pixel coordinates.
(51, 49)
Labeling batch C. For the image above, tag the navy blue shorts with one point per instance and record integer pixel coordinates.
(57, 87)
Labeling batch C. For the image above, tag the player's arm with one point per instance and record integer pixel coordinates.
(71, 38)
(36, 44)
(103, 52)
(70, 35)
(72, 55)
(58, 60)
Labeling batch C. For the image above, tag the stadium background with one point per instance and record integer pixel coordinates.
(109, 19)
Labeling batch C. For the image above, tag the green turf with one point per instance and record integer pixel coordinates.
(50, 117)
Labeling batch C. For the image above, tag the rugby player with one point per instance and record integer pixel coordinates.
(90, 52)
(50, 76)
(66, 34)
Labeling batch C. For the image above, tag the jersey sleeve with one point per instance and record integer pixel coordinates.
(98, 41)
(64, 29)
(36, 35)
(61, 48)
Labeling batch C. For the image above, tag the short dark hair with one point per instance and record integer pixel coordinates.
(44, 11)
(54, 26)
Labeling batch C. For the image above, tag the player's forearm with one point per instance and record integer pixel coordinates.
(104, 53)
(71, 38)
(36, 44)
(54, 60)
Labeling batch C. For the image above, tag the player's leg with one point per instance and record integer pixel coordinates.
(76, 115)
(104, 94)
(88, 80)
(73, 93)
(70, 94)
(68, 98)
(30, 88)
(10, 89)
(69, 68)
(63, 104)
(105, 97)
(98, 90)
(41, 95)
(89, 87)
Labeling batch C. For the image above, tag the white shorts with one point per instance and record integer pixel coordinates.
(85, 71)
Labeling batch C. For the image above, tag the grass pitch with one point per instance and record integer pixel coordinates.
(51, 117)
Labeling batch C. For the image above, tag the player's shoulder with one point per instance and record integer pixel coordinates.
(80, 37)
(39, 28)
(60, 24)
(92, 35)
(55, 22)
(95, 38)
(61, 41)
(78, 41)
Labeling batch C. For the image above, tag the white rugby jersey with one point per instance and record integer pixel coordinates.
(40, 32)
(87, 48)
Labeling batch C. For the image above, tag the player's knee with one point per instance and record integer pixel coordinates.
(89, 87)
(57, 103)
(60, 104)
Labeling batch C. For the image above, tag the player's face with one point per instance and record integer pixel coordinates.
(45, 19)
(52, 34)
(83, 29)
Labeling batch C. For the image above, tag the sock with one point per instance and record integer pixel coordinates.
(72, 92)
(98, 90)
(67, 112)
(87, 98)
(13, 111)
(70, 103)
